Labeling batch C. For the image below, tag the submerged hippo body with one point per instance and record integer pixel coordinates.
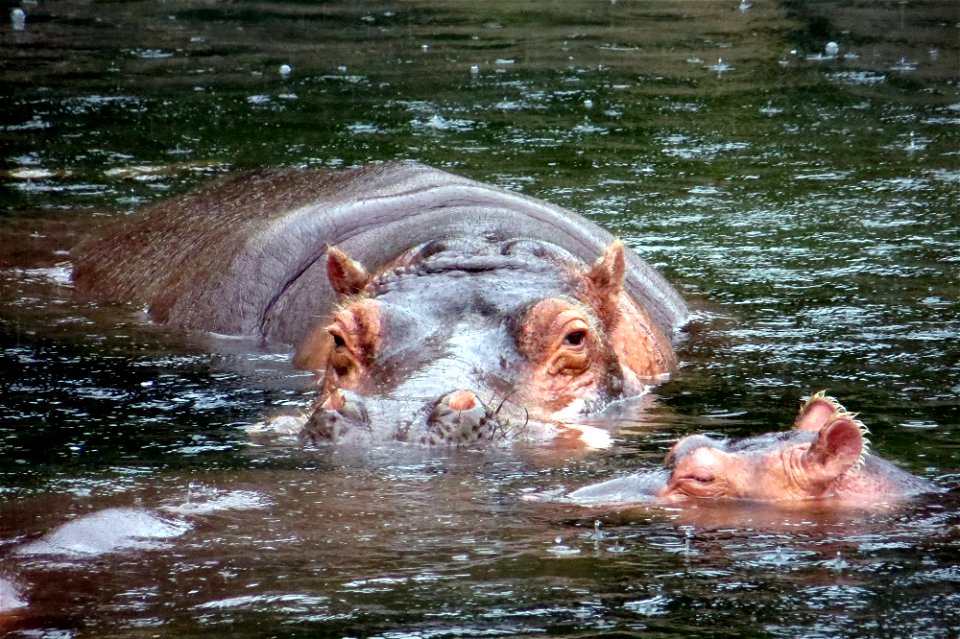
(825, 457)
(435, 308)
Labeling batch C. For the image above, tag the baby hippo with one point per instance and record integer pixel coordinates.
(824, 457)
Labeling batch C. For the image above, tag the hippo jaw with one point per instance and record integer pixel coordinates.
(472, 344)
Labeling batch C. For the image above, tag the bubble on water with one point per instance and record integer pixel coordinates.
(285, 70)
(559, 548)
(18, 19)
(617, 547)
(832, 49)
(838, 563)
(596, 534)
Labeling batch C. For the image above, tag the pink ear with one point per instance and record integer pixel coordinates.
(815, 414)
(608, 272)
(836, 449)
(347, 277)
(606, 278)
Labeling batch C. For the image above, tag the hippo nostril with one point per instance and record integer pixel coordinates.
(340, 413)
(460, 418)
(461, 400)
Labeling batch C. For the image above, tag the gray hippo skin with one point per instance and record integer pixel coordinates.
(435, 308)
(824, 458)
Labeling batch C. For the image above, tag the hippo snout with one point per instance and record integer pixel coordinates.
(461, 418)
(457, 418)
(340, 413)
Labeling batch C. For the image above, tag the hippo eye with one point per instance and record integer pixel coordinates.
(701, 477)
(575, 338)
(338, 340)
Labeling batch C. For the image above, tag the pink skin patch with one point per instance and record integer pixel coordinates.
(462, 400)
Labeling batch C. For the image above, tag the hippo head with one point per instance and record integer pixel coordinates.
(470, 339)
(824, 457)
(788, 466)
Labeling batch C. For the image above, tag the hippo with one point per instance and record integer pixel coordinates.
(433, 308)
(825, 457)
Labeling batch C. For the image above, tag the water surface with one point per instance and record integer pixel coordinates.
(805, 203)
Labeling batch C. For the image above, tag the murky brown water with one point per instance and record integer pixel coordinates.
(806, 204)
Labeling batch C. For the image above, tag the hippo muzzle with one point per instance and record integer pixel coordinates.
(458, 418)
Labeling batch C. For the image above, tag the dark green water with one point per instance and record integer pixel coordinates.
(808, 206)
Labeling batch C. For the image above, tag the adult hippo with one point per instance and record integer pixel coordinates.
(824, 458)
(435, 308)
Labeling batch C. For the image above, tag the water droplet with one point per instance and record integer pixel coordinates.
(19, 19)
(285, 70)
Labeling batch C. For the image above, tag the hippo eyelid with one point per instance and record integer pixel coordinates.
(700, 477)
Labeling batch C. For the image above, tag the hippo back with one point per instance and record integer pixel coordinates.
(246, 255)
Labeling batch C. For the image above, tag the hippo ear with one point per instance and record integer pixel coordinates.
(836, 450)
(606, 277)
(347, 277)
(816, 412)
(608, 272)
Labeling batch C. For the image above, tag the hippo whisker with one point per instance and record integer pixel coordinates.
(496, 413)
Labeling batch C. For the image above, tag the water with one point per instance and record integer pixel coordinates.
(805, 204)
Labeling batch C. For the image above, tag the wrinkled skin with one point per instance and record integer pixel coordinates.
(434, 309)
(825, 457)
